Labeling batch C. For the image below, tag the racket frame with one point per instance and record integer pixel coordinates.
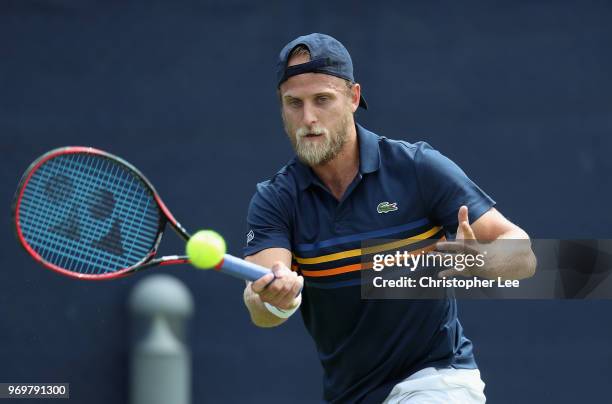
(165, 217)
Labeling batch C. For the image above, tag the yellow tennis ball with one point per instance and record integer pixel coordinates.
(205, 249)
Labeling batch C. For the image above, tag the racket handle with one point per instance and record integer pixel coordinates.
(240, 268)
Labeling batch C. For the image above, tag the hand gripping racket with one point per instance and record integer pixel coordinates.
(89, 214)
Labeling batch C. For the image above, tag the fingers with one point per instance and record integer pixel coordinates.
(286, 297)
(455, 247)
(262, 283)
(450, 270)
(463, 214)
(280, 287)
(464, 230)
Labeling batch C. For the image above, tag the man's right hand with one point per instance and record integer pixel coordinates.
(283, 292)
(280, 288)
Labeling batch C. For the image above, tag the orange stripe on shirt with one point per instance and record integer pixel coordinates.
(357, 267)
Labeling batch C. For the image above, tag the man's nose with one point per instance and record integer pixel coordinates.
(309, 115)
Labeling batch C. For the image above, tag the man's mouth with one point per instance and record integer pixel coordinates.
(313, 135)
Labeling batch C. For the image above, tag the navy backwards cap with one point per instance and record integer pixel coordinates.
(327, 56)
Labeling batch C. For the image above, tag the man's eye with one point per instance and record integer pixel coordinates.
(295, 103)
(322, 99)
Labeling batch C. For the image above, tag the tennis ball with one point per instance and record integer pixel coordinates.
(205, 249)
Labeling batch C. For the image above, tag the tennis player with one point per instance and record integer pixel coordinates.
(347, 185)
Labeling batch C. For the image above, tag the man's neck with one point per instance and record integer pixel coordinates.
(338, 173)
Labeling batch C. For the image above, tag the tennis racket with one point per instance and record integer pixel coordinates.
(88, 214)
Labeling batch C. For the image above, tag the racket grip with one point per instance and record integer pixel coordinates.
(240, 268)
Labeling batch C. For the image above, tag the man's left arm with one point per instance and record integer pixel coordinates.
(506, 247)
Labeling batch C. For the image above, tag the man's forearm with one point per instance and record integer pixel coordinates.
(511, 256)
(260, 316)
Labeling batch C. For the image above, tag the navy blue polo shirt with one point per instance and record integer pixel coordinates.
(367, 346)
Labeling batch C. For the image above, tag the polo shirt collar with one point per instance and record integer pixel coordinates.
(369, 158)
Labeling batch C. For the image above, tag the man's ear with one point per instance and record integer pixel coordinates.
(356, 96)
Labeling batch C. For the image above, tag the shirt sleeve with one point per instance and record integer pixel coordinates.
(267, 221)
(445, 188)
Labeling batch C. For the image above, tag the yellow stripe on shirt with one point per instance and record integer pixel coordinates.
(369, 250)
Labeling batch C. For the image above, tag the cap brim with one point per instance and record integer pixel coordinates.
(362, 103)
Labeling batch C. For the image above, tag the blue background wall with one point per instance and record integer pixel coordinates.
(518, 94)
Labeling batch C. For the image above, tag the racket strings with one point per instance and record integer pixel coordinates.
(71, 218)
(65, 217)
(88, 214)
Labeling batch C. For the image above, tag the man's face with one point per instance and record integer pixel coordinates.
(317, 111)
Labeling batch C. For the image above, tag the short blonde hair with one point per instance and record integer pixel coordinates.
(299, 51)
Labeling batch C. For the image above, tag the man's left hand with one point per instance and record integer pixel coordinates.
(465, 243)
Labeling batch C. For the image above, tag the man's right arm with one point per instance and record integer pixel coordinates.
(281, 288)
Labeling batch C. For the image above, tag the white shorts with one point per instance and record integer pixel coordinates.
(438, 386)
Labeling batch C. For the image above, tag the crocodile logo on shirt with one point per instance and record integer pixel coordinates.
(386, 207)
